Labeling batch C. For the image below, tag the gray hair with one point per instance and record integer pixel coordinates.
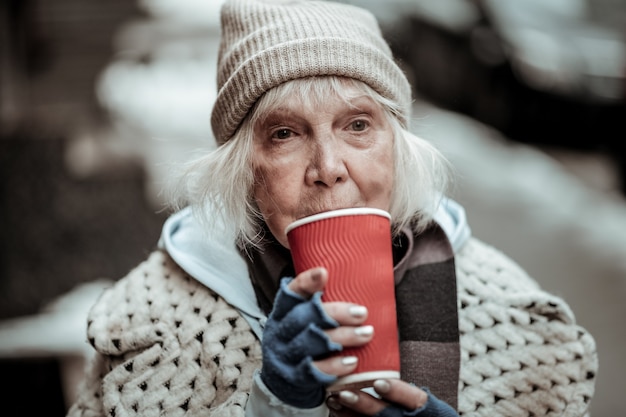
(219, 185)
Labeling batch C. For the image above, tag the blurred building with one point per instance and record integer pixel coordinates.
(71, 212)
(548, 73)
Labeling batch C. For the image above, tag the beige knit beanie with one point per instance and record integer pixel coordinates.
(266, 43)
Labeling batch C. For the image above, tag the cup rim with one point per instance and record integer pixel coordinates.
(337, 213)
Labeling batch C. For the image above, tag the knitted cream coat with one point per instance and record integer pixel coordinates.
(168, 346)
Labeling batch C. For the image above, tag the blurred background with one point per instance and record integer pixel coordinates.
(527, 98)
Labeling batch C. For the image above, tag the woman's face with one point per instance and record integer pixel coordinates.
(312, 158)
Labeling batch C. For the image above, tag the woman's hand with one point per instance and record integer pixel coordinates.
(397, 399)
(349, 317)
(358, 403)
(300, 333)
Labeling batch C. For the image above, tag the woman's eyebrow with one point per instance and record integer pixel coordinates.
(278, 116)
(362, 102)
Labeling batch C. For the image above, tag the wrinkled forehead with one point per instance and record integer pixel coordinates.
(312, 93)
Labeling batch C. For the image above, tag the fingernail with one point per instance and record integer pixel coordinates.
(349, 360)
(382, 386)
(317, 274)
(348, 397)
(364, 330)
(358, 311)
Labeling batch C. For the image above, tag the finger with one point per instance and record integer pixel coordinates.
(285, 300)
(347, 314)
(360, 402)
(310, 342)
(348, 336)
(302, 316)
(309, 282)
(402, 393)
(337, 365)
(337, 410)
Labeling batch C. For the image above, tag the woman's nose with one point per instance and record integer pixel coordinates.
(327, 165)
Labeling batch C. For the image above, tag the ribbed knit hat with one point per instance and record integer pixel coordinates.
(265, 43)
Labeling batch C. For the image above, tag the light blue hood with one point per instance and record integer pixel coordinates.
(450, 216)
(215, 261)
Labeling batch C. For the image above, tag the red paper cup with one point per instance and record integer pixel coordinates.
(354, 245)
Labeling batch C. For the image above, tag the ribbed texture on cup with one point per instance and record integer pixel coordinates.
(265, 44)
(356, 251)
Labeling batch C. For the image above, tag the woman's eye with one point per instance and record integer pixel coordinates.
(359, 125)
(282, 134)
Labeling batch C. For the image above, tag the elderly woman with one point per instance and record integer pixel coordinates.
(312, 115)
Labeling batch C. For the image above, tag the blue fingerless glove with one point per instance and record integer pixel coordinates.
(292, 338)
(434, 407)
